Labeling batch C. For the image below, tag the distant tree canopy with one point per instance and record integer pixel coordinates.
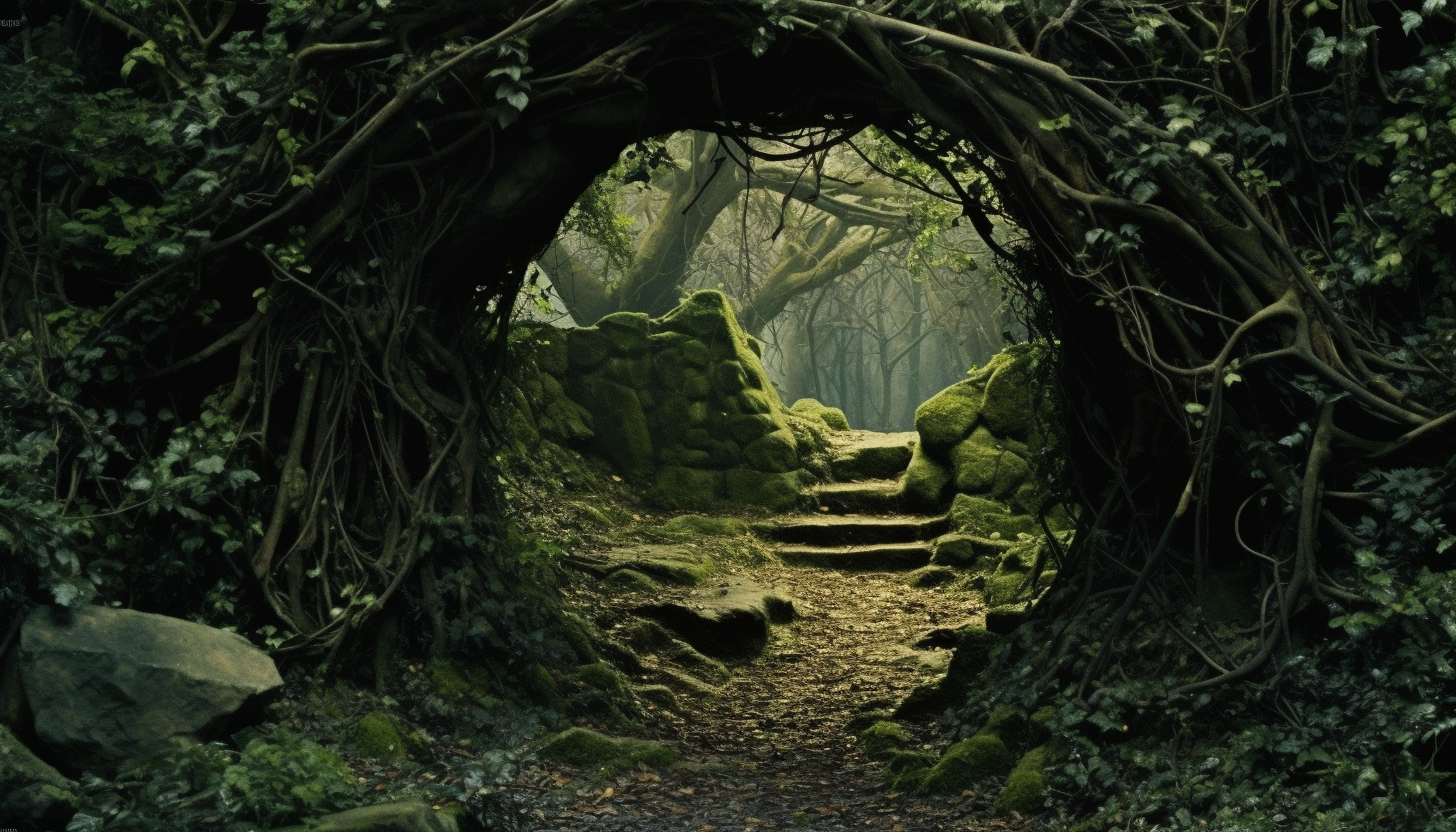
(258, 256)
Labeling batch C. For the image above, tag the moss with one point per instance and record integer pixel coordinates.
(1025, 791)
(926, 482)
(774, 492)
(621, 426)
(1008, 408)
(377, 737)
(586, 348)
(775, 452)
(626, 332)
(981, 467)
(602, 754)
(695, 384)
(707, 316)
(690, 526)
(907, 770)
(632, 581)
(548, 345)
(1010, 724)
(947, 417)
(1039, 724)
(563, 420)
(928, 576)
(657, 697)
(881, 740)
(964, 550)
(755, 401)
(747, 428)
(1005, 587)
(634, 372)
(542, 688)
(967, 763)
(599, 688)
(1003, 620)
(404, 816)
(33, 795)
(831, 416)
(686, 488)
(983, 517)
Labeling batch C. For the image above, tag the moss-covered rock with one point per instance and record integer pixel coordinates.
(672, 563)
(833, 417)
(586, 348)
(927, 482)
(1003, 620)
(548, 347)
(377, 737)
(657, 697)
(403, 816)
(876, 456)
(745, 428)
(984, 517)
(968, 551)
(1011, 724)
(928, 576)
(626, 332)
(774, 452)
(1008, 408)
(906, 770)
(1025, 791)
(686, 488)
(32, 794)
(601, 754)
(542, 687)
(622, 436)
(982, 467)
(562, 420)
(772, 491)
(946, 418)
(728, 377)
(653, 641)
(881, 740)
(691, 526)
(967, 763)
(600, 689)
(630, 580)
(755, 401)
(634, 372)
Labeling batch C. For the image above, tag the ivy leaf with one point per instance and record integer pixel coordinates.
(210, 465)
(1409, 20)
(1064, 121)
(1143, 191)
(1200, 146)
(1323, 49)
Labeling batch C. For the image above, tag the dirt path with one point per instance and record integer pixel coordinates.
(773, 749)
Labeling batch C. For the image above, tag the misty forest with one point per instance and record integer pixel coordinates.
(727, 414)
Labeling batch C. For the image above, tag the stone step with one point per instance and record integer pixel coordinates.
(863, 497)
(846, 529)
(875, 557)
(870, 455)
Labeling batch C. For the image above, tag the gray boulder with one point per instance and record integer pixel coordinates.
(108, 685)
(33, 795)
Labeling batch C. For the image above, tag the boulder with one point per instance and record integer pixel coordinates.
(602, 754)
(110, 685)
(1025, 791)
(676, 564)
(831, 416)
(626, 332)
(1009, 408)
(774, 492)
(983, 517)
(775, 452)
(967, 763)
(33, 796)
(876, 456)
(621, 426)
(404, 816)
(726, 621)
(586, 348)
(926, 482)
(947, 417)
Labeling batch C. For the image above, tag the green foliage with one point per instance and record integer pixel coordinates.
(276, 779)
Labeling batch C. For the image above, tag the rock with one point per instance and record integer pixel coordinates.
(906, 770)
(110, 685)
(602, 754)
(586, 348)
(928, 576)
(1025, 791)
(776, 452)
(926, 483)
(693, 526)
(620, 425)
(657, 697)
(774, 492)
(33, 796)
(967, 763)
(983, 468)
(686, 488)
(726, 621)
(707, 316)
(632, 581)
(881, 740)
(982, 517)
(665, 562)
(728, 378)
(968, 551)
(377, 737)
(947, 417)
(1008, 408)
(1004, 620)
(830, 416)
(651, 640)
(748, 400)
(626, 332)
(873, 456)
(403, 816)
(746, 428)
(563, 420)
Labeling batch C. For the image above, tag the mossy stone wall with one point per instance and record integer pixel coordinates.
(680, 404)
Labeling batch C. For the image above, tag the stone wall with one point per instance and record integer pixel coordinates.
(679, 404)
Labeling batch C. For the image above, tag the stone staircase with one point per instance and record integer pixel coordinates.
(860, 524)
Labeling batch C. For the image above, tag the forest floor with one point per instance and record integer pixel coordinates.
(775, 747)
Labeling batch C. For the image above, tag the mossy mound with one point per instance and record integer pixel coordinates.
(881, 740)
(692, 526)
(681, 487)
(926, 483)
(984, 517)
(1005, 619)
(630, 580)
(774, 492)
(601, 754)
(377, 737)
(671, 563)
(906, 770)
(967, 763)
(1025, 791)
(946, 418)
(404, 816)
(1009, 405)
(832, 417)
(657, 697)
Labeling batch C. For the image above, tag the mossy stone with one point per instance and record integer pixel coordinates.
(550, 351)
(521, 427)
(691, 526)
(626, 332)
(683, 457)
(377, 737)
(831, 416)
(604, 755)
(1010, 724)
(967, 763)
(669, 421)
(966, 551)
(33, 795)
(775, 452)
(772, 491)
(542, 687)
(1005, 620)
(984, 517)
(633, 371)
(621, 425)
(745, 428)
(1025, 791)
(929, 576)
(982, 468)
(669, 369)
(946, 418)
(1005, 587)
(696, 354)
(907, 770)
(698, 414)
(881, 740)
(728, 378)
(657, 697)
(586, 348)
(926, 482)
(707, 316)
(632, 581)
(754, 401)
(599, 687)
(694, 489)
(563, 420)
(1008, 409)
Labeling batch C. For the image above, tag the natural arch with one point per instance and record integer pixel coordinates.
(298, 230)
